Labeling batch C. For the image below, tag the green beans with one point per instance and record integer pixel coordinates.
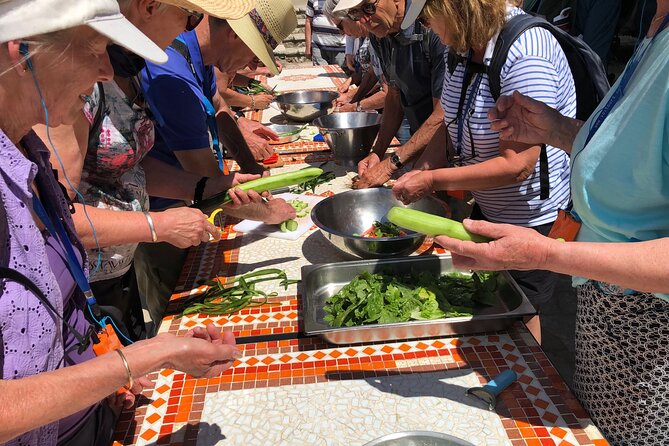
(432, 224)
(237, 294)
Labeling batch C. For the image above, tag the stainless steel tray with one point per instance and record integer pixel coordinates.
(322, 281)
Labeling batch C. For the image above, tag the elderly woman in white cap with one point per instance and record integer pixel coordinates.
(52, 384)
(103, 155)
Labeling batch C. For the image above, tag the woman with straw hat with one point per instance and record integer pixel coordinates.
(53, 387)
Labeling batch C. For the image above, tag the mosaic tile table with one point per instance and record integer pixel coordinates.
(289, 389)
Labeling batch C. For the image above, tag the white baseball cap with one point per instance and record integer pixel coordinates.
(20, 19)
(345, 5)
(412, 13)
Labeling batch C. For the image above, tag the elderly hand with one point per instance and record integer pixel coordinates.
(413, 186)
(278, 211)
(262, 101)
(183, 227)
(523, 119)
(202, 352)
(256, 136)
(513, 247)
(126, 399)
(368, 162)
(375, 175)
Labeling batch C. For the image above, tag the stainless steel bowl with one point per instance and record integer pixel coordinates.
(305, 106)
(418, 438)
(349, 135)
(285, 128)
(353, 212)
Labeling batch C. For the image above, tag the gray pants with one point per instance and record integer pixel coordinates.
(327, 57)
(157, 267)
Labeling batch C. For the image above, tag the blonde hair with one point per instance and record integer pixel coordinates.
(472, 22)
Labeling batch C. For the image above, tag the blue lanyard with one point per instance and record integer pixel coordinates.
(209, 109)
(58, 231)
(622, 85)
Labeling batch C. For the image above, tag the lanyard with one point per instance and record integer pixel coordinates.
(468, 106)
(58, 231)
(208, 106)
(622, 85)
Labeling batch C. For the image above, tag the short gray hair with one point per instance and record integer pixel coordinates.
(328, 11)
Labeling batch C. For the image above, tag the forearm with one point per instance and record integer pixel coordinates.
(73, 389)
(236, 144)
(112, 227)
(564, 133)
(164, 180)
(641, 266)
(367, 83)
(235, 99)
(495, 172)
(435, 155)
(307, 35)
(252, 211)
(392, 117)
(423, 135)
(374, 102)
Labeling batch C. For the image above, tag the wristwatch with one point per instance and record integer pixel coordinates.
(358, 107)
(395, 160)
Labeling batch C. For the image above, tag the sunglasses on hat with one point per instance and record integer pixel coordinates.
(367, 9)
(194, 18)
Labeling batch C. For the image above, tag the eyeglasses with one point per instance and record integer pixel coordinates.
(194, 18)
(340, 26)
(367, 9)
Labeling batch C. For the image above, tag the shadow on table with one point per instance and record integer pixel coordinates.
(317, 249)
(200, 433)
(413, 384)
(339, 75)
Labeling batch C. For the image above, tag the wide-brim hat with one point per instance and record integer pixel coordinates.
(20, 19)
(265, 27)
(345, 5)
(223, 9)
(412, 13)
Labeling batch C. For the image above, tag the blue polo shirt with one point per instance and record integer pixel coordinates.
(413, 61)
(173, 92)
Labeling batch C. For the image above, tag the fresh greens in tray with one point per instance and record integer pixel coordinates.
(386, 298)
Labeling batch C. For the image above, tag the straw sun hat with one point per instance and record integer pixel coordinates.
(265, 27)
(223, 9)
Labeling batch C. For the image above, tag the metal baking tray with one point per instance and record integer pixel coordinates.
(319, 282)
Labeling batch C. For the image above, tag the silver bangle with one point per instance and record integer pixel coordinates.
(149, 220)
(253, 102)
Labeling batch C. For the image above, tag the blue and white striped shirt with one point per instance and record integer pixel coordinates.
(537, 67)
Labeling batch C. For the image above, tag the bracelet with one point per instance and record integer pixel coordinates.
(149, 220)
(253, 102)
(199, 190)
(131, 381)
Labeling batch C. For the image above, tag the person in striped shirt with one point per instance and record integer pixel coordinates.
(503, 177)
(325, 43)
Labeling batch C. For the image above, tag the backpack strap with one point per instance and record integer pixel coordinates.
(507, 37)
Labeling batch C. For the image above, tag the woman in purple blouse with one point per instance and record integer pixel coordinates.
(51, 53)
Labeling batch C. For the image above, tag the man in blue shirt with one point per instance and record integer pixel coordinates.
(413, 66)
(187, 108)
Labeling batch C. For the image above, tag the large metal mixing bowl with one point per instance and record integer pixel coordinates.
(305, 106)
(354, 212)
(349, 135)
(418, 438)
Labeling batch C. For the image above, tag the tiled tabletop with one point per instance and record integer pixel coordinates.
(289, 389)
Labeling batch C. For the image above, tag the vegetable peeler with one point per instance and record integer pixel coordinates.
(488, 393)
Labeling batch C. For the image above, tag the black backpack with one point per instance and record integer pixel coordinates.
(589, 74)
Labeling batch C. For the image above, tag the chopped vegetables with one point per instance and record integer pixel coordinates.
(237, 294)
(301, 209)
(382, 230)
(386, 298)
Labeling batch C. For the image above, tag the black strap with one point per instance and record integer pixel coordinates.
(507, 37)
(83, 341)
(199, 190)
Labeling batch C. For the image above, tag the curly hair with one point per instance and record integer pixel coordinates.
(472, 22)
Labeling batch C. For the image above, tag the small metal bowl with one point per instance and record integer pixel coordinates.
(349, 135)
(305, 106)
(418, 438)
(284, 128)
(353, 212)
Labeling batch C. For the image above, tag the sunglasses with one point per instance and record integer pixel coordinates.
(194, 18)
(367, 10)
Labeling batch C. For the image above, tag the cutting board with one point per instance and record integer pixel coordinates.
(303, 224)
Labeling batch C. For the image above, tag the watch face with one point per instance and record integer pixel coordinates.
(396, 161)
